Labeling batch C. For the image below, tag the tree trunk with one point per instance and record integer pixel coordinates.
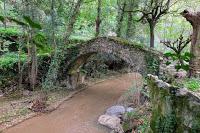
(194, 19)
(5, 14)
(33, 66)
(72, 20)
(121, 13)
(19, 64)
(195, 50)
(53, 23)
(98, 19)
(29, 58)
(132, 5)
(129, 31)
(152, 34)
(52, 74)
(33, 62)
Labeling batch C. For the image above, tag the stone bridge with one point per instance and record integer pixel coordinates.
(139, 58)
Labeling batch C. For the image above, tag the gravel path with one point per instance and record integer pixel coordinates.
(79, 114)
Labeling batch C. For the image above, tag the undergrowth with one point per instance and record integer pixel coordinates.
(8, 60)
(10, 31)
(192, 84)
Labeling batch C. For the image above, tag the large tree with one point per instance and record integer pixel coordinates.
(194, 19)
(59, 52)
(131, 6)
(120, 16)
(53, 23)
(125, 18)
(152, 11)
(98, 19)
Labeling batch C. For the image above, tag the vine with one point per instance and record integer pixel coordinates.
(153, 64)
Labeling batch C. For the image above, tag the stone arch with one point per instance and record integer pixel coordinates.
(139, 58)
(133, 54)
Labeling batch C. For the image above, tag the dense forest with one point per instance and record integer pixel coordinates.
(55, 46)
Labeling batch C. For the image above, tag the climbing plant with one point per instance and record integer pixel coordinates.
(153, 63)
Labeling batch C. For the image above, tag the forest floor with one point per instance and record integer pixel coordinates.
(80, 113)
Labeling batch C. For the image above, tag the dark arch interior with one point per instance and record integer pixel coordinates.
(97, 61)
(103, 63)
(93, 65)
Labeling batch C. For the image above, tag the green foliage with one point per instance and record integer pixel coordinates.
(28, 22)
(8, 60)
(40, 40)
(195, 126)
(2, 18)
(131, 115)
(18, 22)
(10, 32)
(182, 58)
(153, 64)
(146, 124)
(32, 23)
(192, 84)
(166, 124)
(128, 43)
(182, 66)
(187, 56)
(136, 115)
(84, 27)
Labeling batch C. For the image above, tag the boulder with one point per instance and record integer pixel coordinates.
(111, 122)
(116, 110)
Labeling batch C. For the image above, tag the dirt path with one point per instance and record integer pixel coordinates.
(79, 114)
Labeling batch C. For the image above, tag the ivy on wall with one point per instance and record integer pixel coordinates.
(153, 63)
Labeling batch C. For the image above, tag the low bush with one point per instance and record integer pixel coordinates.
(8, 60)
(10, 32)
(192, 84)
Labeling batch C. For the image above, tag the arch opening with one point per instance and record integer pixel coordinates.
(94, 66)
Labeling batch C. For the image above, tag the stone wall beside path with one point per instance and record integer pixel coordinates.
(174, 110)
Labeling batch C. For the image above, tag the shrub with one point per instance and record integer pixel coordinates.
(10, 32)
(8, 60)
(192, 84)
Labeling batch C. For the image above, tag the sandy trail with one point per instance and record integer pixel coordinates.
(79, 114)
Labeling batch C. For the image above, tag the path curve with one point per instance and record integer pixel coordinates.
(79, 114)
